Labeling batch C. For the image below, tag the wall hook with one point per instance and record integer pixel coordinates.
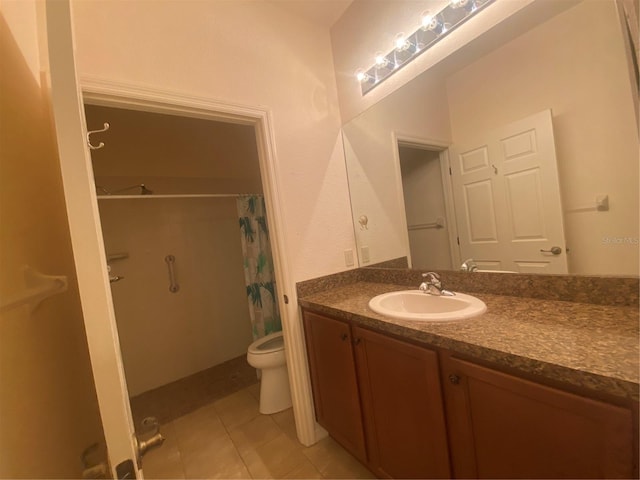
(101, 144)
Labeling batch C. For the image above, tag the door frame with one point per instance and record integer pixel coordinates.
(86, 232)
(400, 139)
(86, 238)
(103, 92)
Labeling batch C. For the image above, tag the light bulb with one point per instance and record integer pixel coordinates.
(362, 76)
(431, 23)
(401, 42)
(427, 20)
(381, 60)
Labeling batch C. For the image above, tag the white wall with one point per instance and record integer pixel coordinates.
(252, 53)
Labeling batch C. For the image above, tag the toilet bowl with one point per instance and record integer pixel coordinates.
(267, 354)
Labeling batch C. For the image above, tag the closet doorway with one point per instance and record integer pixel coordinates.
(167, 188)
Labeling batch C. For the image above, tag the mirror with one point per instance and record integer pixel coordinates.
(573, 64)
(436, 25)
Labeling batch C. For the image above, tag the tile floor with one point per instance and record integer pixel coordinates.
(188, 394)
(224, 435)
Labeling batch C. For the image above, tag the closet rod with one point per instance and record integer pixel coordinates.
(175, 195)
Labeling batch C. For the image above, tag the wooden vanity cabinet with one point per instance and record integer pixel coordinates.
(503, 426)
(369, 386)
(335, 385)
(383, 399)
(402, 405)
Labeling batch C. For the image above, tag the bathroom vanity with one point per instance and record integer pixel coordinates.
(532, 388)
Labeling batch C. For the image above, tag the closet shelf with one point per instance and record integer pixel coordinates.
(38, 287)
(171, 195)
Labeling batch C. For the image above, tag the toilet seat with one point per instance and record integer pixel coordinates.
(271, 343)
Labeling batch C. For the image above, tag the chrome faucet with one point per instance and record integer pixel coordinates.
(433, 286)
(469, 266)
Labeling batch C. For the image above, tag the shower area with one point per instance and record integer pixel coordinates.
(169, 192)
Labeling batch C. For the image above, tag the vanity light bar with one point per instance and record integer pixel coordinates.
(434, 27)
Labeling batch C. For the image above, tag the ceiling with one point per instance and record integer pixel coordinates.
(324, 13)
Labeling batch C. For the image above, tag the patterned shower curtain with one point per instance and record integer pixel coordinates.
(258, 266)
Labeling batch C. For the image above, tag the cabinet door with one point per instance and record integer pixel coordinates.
(334, 382)
(502, 426)
(402, 403)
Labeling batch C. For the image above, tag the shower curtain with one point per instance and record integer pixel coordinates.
(258, 266)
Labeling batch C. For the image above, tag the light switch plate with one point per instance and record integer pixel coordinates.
(348, 258)
(364, 254)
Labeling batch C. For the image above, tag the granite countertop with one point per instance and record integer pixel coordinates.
(585, 345)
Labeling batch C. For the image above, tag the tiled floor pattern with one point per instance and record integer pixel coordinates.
(188, 394)
(213, 429)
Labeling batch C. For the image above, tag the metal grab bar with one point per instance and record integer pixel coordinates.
(173, 285)
(439, 223)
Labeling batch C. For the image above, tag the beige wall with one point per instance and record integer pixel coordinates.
(574, 64)
(48, 407)
(252, 53)
(22, 23)
(172, 154)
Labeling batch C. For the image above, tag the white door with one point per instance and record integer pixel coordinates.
(507, 198)
(86, 238)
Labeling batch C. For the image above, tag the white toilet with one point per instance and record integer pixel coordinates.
(267, 354)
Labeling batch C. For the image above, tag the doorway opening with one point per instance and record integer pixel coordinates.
(167, 188)
(431, 233)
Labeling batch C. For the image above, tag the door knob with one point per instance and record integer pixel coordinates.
(552, 250)
(154, 438)
(145, 445)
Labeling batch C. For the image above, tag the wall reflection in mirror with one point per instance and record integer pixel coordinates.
(524, 158)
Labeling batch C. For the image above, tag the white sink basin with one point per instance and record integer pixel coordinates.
(417, 305)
